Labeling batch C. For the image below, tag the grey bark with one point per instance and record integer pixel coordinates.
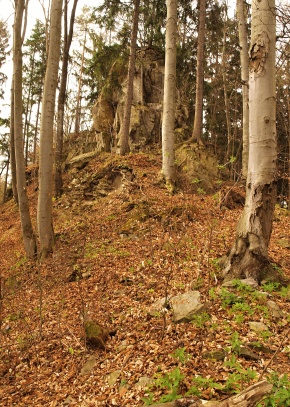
(169, 99)
(244, 58)
(62, 97)
(46, 158)
(123, 143)
(249, 254)
(29, 239)
(198, 113)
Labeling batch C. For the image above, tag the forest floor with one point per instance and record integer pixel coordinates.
(122, 243)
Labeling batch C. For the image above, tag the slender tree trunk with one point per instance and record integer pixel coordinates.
(28, 113)
(198, 113)
(226, 98)
(244, 57)
(6, 181)
(79, 93)
(123, 143)
(36, 129)
(26, 225)
(62, 97)
(12, 145)
(44, 208)
(169, 98)
(249, 254)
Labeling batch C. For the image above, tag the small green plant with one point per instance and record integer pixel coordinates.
(243, 308)
(240, 286)
(285, 292)
(181, 355)
(169, 382)
(216, 264)
(270, 286)
(199, 320)
(239, 318)
(198, 283)
(236, 380)
(195, 181)
(212, 293)
(200, 384)
(280, 394)
(265, 335)
(201, 191)
(229, 298)
(235, 342)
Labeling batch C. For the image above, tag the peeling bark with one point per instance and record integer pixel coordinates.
(249, 255)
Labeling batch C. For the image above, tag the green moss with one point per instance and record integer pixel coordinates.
(96, 336)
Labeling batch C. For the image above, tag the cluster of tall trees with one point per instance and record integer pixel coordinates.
(222, 68)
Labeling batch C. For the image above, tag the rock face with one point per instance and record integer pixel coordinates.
(146, 110)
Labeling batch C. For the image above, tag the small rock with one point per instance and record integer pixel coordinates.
(143, 382)
(186, 306)
(159, 307)
(214, 354)
(274, 309)
(246, 353)
(258, 326)
(89, 365)
(284, 243)
(113, 377)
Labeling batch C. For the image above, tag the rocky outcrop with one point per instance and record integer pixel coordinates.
(145, 126)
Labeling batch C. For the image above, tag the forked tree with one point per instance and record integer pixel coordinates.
(249, 254)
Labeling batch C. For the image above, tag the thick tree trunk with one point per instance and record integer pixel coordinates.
(249, 254)
(123, 143)
(247, 398)
(198, 113)
(244, 58)
(44, 208)
(62, 97)
(26, 225)
(169, 98)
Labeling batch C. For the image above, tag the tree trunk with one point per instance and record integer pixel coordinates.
(12, 145)
(249, 254)
(123, 143)
(244, 58)
(44, 208)
(79, 93)
(226, 98)
(6, 181)
(26, 225)
(247, 398)
(36, 129)
(62, 97)
(198, 113)
(169, 98)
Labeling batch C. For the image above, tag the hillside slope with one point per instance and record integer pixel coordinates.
(123, 242)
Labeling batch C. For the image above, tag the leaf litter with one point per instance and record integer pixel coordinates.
(117, 254)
